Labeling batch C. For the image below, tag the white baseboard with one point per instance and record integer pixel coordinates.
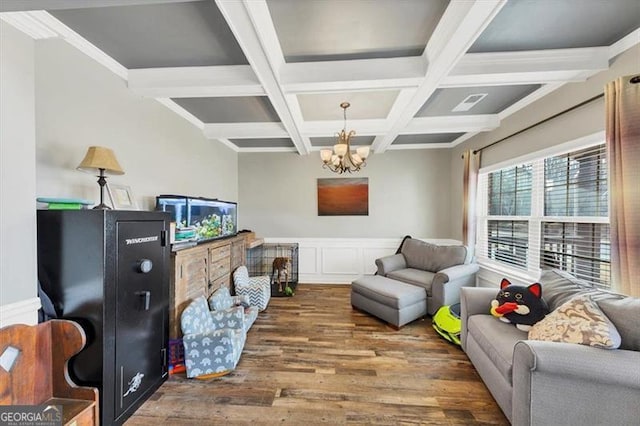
(342, 260)
(21, 312)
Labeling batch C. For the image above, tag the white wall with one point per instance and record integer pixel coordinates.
(18, 178)
(80, 103)
(583, 121)
(408, 194)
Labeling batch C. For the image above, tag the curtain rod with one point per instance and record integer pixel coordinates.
(539, 122)
(634, 80)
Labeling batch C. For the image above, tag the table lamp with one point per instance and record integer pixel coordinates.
(102, 160)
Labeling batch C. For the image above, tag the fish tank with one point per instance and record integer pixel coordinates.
(205, 218)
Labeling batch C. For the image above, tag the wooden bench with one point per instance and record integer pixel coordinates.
(39, 375)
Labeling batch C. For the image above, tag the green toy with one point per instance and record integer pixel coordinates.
(446, 322)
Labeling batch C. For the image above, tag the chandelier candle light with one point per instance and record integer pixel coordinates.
(341, 159)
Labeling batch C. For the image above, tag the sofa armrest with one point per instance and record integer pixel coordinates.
(390, 263)
(446, 285)
(474, 301)
(594, 386)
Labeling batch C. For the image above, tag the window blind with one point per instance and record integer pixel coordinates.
(548, 213)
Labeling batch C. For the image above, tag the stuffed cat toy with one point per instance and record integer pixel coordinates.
(519, 305)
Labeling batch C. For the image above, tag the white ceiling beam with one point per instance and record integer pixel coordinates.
(21, 5)
(252, 27)
(169, 103)
(191, 82)
(41, 24)
(228, 144)
(352, 75)
(461, 24)
(530, 67)
(366, 127)
(451, 124)
(625, 43)
(244, 130)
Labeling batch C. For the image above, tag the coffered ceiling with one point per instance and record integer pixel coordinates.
(269, 75)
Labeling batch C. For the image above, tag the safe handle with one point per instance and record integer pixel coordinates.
(144, 300)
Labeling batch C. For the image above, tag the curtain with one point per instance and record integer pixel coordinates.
(469, 191)
(622, 102)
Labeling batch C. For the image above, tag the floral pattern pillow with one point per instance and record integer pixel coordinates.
(580, 321)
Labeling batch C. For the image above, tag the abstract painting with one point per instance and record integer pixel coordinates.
(343, 197)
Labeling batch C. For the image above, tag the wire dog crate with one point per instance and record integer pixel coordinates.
(272, 259)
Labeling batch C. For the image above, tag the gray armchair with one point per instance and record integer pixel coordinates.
(440, 270)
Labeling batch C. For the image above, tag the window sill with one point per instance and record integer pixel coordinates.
(508, 272)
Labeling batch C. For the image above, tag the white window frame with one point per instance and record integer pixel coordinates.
(532, 270)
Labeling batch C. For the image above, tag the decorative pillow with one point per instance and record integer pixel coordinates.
(580, 321)
(519, 305)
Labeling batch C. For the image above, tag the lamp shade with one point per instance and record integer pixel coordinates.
(99, 157)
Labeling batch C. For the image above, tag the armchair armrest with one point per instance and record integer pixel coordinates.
(595, 385)
(390, 263)
(447, 283)
(456, 272)
(474, 301)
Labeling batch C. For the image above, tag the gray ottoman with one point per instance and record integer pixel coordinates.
(393, 301)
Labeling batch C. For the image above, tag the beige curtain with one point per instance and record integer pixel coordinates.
(469, 191)
(622, 100)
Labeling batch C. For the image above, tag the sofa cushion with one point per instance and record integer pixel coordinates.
(415, 277)
(580, 321)
(497, 339)
(431, 257)
(559, 286)
(624, 313)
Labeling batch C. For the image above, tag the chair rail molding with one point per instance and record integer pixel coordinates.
(342, 260)
(20, 312)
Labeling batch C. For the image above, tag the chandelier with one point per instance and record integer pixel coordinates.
(341, 159)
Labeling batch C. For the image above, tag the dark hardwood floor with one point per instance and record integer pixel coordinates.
(312, 359)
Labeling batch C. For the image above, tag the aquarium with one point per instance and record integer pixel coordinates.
(204, 218)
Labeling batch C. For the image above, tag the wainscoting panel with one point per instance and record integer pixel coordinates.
(342, 260)
(22, 312)
(308, 259)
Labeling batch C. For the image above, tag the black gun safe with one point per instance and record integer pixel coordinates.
(109, 271)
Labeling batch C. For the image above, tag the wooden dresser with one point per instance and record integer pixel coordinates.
(200, 270)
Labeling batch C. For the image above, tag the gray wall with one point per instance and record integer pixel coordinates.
(80, 103)
(17, 165)
(583, 121)
(408, 194)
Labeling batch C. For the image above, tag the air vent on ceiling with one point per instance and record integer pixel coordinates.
(469, 102)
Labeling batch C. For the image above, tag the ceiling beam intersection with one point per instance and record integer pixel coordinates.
(461, 24)
(249, 22)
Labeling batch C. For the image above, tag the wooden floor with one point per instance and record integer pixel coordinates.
(312, 359)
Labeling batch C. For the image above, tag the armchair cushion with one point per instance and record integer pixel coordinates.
(256, 289)
(414, 276)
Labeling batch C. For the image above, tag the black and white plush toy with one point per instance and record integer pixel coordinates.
(522, 306)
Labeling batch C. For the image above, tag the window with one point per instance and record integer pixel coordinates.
(548, 213)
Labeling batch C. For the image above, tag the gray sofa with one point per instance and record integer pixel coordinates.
(545, 383)
(441, 270)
